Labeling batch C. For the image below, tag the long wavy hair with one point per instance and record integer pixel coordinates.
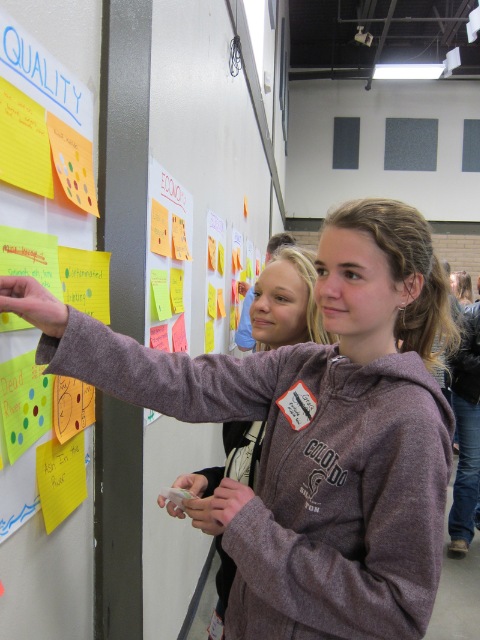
(405, 237)
(303, 260)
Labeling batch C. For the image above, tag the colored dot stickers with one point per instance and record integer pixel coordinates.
(73, 154)
(26, 404)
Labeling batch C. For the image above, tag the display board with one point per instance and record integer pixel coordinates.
(47, 198)
(168, 313)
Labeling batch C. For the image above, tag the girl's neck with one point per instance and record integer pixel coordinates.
(365, 351)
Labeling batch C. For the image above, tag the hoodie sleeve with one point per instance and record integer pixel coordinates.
(214, 388)
(388, 594)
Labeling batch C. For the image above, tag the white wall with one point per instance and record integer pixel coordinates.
(203, 131)
(48, 580)
(313, 186)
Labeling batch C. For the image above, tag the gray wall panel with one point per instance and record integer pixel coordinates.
(471, 146)
(411, 144)
(346, 143)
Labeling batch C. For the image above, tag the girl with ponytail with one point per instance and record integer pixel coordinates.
(343, 536)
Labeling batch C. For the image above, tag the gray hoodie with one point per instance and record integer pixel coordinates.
(344, 538)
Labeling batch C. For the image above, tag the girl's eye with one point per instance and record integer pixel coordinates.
(281, 299)
(321, 272)
(351, 275)
(256, 294)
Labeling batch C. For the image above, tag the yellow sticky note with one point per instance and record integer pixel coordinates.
(159, 282)
(26, 401)
(85, 278)
(237, 317)
(61, 477)
(27, 253)
(220, 303)
(212, 250)
(249, 268)
(179, 239)
(221, 259)
(232, 318)
(159, 237)
(73, 160)
(1, 461)
(73, 407)
(24, 148)
(176, 290)
(209, 337)
(211, 301)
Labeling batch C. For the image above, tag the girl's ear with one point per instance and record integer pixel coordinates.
(412, 287)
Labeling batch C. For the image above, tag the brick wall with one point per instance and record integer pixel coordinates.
(461, 251)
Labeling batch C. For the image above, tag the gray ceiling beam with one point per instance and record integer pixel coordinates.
(460, 17)
(386, 27)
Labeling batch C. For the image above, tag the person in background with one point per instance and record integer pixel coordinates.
(344, 536)
(243, 335)
(462, 287)
(283, 312)
(465, 511)
(478, 289)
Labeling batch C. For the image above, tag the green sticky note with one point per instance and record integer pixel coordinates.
(159, 280)
(28, 253)
(26, 403)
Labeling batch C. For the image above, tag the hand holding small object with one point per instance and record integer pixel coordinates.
(229, 498)
(192, 482)
(200, 510)
(243, 287)
(25, 296)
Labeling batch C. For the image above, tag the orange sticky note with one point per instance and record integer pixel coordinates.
(220, 304)
(234, 261)
(239, 260)
(212, 251)
(179, 239)
(2, 590)
(73, 159)
(73, 407)
(159, 338)
(159, 237)
(179, 336)
(245, 206)
(237, 317)
(257, 267)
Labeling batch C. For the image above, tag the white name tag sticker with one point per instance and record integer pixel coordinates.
(298, 405)
(215, 629)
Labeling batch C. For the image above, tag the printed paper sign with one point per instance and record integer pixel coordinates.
(24, 149)
(73, 159)
(62, 479)
(85, 277)
(28, 253)
(298, 405)
(160, 238)
(73, 407)
(159, 338)
(26, 397)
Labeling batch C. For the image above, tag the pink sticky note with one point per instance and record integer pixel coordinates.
(179, 337)
(2, 590)
(159, 338)
(234, 292)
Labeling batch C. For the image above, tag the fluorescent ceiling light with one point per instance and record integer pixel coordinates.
(408, 71)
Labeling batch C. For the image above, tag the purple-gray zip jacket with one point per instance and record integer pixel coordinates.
(344, 538)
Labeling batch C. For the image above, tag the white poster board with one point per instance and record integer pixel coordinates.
(33, 70)
(169, 193)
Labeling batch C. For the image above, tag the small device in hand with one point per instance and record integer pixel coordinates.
(176, 495)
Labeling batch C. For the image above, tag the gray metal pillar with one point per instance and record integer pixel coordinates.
(122, 190)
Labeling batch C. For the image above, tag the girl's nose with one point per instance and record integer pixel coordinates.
(328, 287)
(260, 303)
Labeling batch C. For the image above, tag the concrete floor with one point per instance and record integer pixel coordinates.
(456, 615)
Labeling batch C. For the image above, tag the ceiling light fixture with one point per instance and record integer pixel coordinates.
(452, 62)
(473, 25)
(408, 71)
